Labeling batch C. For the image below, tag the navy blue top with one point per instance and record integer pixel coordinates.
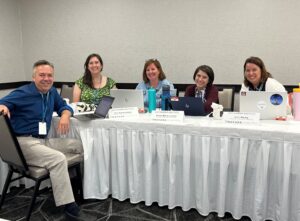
(26, 108)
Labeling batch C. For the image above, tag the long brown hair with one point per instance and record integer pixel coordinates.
(87, 77)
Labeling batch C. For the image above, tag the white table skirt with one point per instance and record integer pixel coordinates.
(205, 164)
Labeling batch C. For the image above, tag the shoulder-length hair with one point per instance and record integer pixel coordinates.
(208, 70)
(157, 64)
(264, 73)
(87, 76)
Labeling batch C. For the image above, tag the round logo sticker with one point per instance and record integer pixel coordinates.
(276, 99)
(261, 105)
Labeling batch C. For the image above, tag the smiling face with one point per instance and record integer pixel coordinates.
(43, 77)
(152, 72)
(94, 66)
(253, 74)
(201, 80)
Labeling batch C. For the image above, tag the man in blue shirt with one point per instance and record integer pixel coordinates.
(30, 109)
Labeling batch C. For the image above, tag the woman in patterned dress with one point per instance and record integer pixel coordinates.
(93, 85)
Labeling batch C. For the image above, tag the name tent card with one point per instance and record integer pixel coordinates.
(241, 117)
(123, 113)
(167, 116)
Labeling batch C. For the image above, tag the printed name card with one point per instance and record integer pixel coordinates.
(123, 113)
(241, 117)
(167, 116)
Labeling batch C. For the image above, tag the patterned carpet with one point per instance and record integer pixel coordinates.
(17, 201)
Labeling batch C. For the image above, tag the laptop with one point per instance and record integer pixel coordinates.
(100, 112)
(269, 104)
(192, 106)
(127, 98)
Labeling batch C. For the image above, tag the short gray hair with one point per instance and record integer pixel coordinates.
(41, 62)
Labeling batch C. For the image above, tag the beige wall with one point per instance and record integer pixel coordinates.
(181, 34)
(11, 52)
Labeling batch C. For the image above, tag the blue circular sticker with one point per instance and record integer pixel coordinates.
(276, 99)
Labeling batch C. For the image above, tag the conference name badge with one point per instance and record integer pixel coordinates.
(42, 128)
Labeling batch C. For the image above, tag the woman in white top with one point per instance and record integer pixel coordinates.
(256, 77)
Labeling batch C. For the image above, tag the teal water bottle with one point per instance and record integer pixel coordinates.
(151, 99)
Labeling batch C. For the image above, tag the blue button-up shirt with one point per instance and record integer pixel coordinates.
(26, 108)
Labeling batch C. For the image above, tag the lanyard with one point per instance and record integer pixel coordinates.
(259, 88)
(200, 94)
(44, 106)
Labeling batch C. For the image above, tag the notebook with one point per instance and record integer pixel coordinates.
(269, 104)
(100, 112)
(191, 106)
(127, 98)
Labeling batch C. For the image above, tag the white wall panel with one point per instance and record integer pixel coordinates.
(181, 34)
(11, 53)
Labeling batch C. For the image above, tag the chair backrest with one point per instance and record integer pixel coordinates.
(226, 98)
(67, 92)
(10, 151)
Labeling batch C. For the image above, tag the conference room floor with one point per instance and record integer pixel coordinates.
(17, 201)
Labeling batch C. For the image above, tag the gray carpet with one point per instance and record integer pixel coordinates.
(17, 201)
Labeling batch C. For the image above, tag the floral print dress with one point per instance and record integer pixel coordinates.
(93, 95)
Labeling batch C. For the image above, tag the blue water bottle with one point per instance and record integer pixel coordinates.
(151, 99)
(165, 97)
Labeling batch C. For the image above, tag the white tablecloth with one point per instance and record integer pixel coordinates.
(202, 163)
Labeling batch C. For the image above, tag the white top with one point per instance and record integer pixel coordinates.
(272, 85)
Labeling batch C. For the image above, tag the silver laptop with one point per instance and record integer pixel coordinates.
(100, 112)
(269, 104)
(127, 98)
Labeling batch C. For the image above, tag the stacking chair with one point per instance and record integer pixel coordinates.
(67, 92)
(226, 98)
(11, 153)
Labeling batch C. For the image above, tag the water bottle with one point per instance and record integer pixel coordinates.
(165, 97)
(151, 99)
(296, 103)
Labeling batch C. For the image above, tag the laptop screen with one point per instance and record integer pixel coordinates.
(104, 106)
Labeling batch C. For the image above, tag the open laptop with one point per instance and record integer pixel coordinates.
(269, 104)
(127, 98)
(191, 106)
(100, 112)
